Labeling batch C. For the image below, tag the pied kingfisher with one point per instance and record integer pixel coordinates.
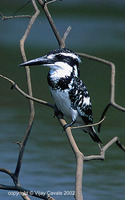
(68, 91)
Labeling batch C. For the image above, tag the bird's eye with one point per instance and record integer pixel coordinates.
(59, 57)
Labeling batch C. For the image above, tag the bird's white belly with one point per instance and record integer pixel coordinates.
(63, 103)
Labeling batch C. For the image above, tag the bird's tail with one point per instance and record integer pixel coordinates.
(93, 135)
(91, 131)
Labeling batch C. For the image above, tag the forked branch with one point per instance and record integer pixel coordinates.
(104, 149)
(61, 41)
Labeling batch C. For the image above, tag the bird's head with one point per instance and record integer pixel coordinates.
(59, 59)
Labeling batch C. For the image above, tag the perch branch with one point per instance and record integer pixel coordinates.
(79, 159)
(88, 125)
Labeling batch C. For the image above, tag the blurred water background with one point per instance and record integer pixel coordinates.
(98, 28)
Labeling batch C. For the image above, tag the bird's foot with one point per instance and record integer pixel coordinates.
(65, 127)
(68, 125)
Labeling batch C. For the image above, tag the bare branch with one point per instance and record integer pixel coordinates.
(32, 112)
(6, 171)
(51, 22)
(12, 17)
(88, 125)
(103, 114)
(66, 33)
(14, 85)
(24, 192)
(79, 159)
(51, 1)
(61, 41)
(103, 150)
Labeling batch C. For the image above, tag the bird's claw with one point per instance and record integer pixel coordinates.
(65, 127)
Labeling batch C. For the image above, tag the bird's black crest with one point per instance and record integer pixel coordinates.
(62, 50)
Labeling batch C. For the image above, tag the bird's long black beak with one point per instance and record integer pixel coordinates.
(37, 61)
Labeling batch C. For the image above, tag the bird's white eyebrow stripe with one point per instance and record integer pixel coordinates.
(72, 55)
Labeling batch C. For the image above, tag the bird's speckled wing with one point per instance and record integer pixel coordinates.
(80, 100)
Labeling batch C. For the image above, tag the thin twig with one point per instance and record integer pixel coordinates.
(14, 85)
(21, 7)
(52, 1)
(6, 171)
(103, 150)
(66, 33)
(52, 24)
(61, 41)
(14, 16)
(88, 125)
(103, 114)
(24, 192)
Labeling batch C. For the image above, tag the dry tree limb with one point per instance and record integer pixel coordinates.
(15, 86)
(32, 112)
(103, 150)
(112, 84)
(79, 159)
(51, 1)
(61, 41)
(88, 125)
(66, 33)
(24, 192)
(43, 4)
(12, 17)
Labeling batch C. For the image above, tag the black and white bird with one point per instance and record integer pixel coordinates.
(68, 91)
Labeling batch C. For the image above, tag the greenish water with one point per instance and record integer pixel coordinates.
(49, 165)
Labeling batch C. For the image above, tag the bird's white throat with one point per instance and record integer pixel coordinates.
(63, 70)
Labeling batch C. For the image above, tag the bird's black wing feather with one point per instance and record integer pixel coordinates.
(80, 100)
